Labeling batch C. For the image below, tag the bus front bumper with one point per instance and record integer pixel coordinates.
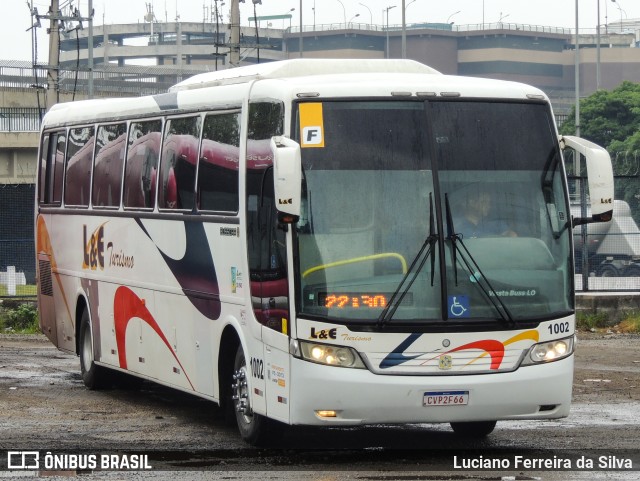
(357, 396)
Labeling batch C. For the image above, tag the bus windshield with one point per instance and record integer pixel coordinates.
(449, 210)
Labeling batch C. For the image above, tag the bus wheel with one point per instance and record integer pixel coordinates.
(251, 425)
(476, 429)
(94, 377)
(632, 271)
(608, 270)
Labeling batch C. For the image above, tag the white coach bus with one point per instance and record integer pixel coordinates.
(319, 242)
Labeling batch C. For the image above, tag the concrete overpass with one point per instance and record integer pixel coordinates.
(171, 43)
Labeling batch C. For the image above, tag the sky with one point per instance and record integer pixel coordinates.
(16, 42)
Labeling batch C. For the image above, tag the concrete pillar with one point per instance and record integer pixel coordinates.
(178, 44)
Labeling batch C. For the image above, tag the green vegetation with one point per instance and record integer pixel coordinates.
(19, 317)
(599, 321)
(588, 321)
(21, 291)
(609, 118)
(630, 323)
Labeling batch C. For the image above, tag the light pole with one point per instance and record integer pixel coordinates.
(90, 51)
(501, 17)
(300, 46)
(454, 13)
(290, 16)
(404, 31)
(577, 76)
(482, 14)
(217, 14)
(387, 9)
(370, 14)
(344, 13)
(598, 50)
(355, 16)
(255, 19)
(620, 10)
(404, 27)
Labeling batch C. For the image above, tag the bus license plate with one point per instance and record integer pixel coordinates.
(445, 398)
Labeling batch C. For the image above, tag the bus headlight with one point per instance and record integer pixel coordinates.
(549, 351)
(328, 354)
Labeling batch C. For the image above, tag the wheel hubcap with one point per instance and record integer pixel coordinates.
(240, 392)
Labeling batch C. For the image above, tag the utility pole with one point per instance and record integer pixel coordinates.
(56, 22)
(255, 20)
(234, 53)
(300, 46)
(404, 31)
(217, 13)
(577, 74)
(53, 94)
(90, 52)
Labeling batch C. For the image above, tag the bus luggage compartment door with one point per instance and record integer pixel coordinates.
(277, 371)
(45, 299)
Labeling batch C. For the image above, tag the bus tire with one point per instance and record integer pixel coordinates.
(475, 429)
(93, 376)
(608, 270)
(252, 426)
(632, 271)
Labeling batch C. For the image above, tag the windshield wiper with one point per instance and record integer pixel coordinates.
(419, 260)
(472, 266)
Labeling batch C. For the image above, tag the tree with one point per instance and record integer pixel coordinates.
(612, 119)
(608, 116)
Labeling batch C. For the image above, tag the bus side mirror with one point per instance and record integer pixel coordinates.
(287, 178)
(599, 177)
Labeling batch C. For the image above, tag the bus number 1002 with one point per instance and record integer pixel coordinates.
(257, 368)
(558, 328)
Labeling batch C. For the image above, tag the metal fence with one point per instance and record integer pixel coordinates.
(109, 80)
(608, 254)
(17, 246)
(20, 119)
(430, 26)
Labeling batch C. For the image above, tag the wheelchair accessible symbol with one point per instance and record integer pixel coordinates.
(459, 306)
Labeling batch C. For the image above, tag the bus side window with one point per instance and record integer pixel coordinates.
(265, 241)
(107, 171)
(45, 169)
(51, 168)
(79, 161)
(178, 163)
(142, 163)
(218, 171)
(58, 176)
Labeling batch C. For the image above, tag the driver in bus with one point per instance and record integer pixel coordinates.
(479, 219)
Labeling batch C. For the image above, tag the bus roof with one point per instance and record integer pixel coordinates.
(322, 77)
(302, 68)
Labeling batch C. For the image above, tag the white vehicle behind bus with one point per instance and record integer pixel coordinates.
(289, 241)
